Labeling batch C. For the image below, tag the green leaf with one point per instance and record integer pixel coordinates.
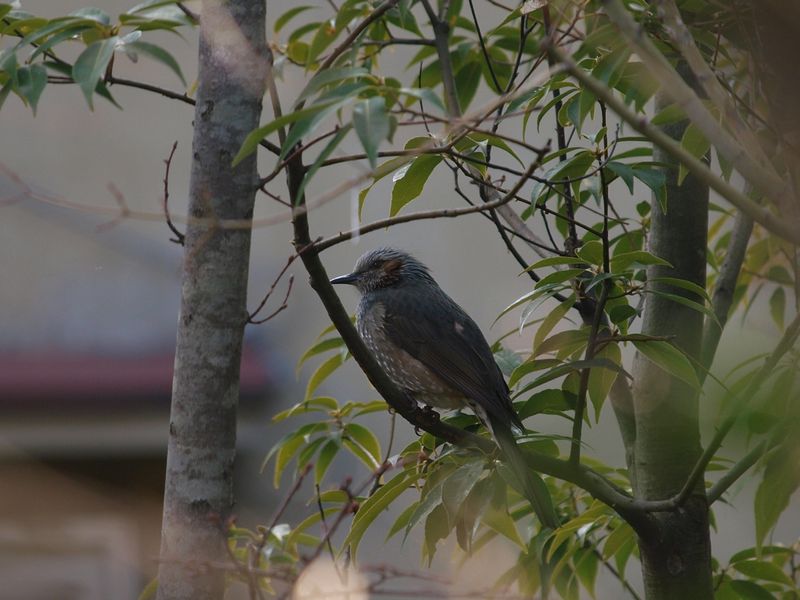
(558, 277)
(781, 480)
(750, 590)
(623, 171)
(254, 137)
(528, 367)
(401, 521)
(545, 401)
(471, 508)
(777, 306)
(552, 261)
(669, 358)
(326, 456)
(507, 360)
(694, 142)
(331, 102)
(323, 78)
(498, 519)
(290, 445)
(366, 440)
(321, 158)
(688, 303)
(289, 15)
(53, 40)
(458, 485)
(316, 404)
(410, 185)
(318, 348)
(437, 527)
(601, 380)
(365, 408)
(426, 95)
(621, 262)
(467, 79)
(322, 372)
(326, 33)
(32, 81)
(371, 122)
(586, 565)
(591, 252)
(766, 571)
(671, 114)
(373, 506)
(158, 53)
(682, 283)
(571, 339)
(656, 180)
(94, 14)
(756, 552)
(620, 536)
(150, 590)
(91, 66)
(552, 319)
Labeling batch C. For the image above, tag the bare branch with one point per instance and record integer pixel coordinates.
(179, 237)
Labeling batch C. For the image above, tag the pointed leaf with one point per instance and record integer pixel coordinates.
(371, 122)
(669, 358)
(411, 184)
(322, 372)
(373, 506)
(158, 53)
(91, 66)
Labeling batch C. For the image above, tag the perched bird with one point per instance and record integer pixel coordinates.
(435, 352)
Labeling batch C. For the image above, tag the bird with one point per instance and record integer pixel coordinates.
(433, 351)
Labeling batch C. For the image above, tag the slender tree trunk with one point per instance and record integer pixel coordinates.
(676, 563)
(199, 491)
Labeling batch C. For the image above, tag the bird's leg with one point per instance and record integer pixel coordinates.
(427, 415)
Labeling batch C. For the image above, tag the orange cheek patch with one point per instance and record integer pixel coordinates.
(390, 266)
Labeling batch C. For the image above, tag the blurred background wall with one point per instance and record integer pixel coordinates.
(88, 306)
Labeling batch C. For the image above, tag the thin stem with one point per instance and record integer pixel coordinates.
(441, 37)
(735, 472)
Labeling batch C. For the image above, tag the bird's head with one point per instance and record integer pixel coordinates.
(385, 268)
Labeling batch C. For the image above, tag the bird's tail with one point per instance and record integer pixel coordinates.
(529, 482)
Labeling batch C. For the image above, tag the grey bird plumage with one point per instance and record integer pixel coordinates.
(435, 352)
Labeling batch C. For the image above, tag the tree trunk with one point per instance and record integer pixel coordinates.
(676, 563)
(199, 491)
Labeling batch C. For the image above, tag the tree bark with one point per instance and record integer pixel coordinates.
(199, 491)
(676, 562)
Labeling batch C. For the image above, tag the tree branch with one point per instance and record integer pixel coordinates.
(441, 37)
(725, 288)
(673, 85)
(761, 215)
(735, 472)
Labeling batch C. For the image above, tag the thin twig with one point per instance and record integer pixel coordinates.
(179, 237)
(428, 214)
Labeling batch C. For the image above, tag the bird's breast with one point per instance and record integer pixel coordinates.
(402, 368)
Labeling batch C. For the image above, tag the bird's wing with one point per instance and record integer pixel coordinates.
(438, 333)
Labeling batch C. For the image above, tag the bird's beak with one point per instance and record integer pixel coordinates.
(351, 279)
